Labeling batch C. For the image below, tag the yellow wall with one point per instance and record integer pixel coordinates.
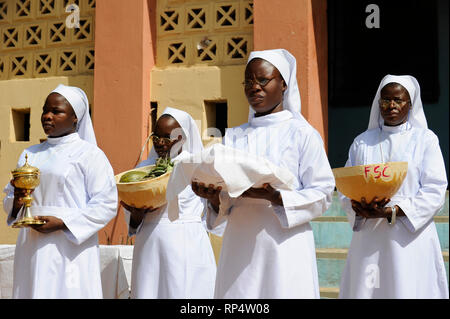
(26, 93)
(202, 49)
(187, 88)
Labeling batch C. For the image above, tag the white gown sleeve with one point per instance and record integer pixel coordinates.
(8, 203)
(204, 217)
(216, 221)
(102, 204)
(421, 208)
(356, 222)
(131, 230)
(316, 180)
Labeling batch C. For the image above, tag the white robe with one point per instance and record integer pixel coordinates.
(173, 260)
(76, 185)
(404, 260)
(268, 251)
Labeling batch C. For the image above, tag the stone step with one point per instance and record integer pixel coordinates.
(332, 235)
(331, 253)
(335, 231)
(331, 263)
(329, 292)
(332, 230)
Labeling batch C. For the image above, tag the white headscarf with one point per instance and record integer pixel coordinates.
(286, 63)
(416, 115)
(192, 141)
(80, 104)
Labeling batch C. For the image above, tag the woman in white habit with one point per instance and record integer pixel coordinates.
(395, 250)
(268, 244)
(76, 198)
(172, 260)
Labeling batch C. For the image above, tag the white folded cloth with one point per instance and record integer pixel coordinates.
(234, 170)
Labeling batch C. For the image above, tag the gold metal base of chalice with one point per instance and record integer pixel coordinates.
(27, 222)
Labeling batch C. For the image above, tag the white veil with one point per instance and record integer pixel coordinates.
(192, 140)
(286, 63)
(80, 104)
(416, 116)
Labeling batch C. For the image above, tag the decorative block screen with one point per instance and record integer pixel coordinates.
(40, 38)
(204, 32)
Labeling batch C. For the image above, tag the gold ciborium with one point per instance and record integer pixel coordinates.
(26, 177)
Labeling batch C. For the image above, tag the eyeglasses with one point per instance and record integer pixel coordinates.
(262, 83)
(162, 140)
(397, 103)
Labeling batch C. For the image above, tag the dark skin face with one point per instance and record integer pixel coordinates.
(395, 113)
(166, 127)
(58, 117)
(268, 98)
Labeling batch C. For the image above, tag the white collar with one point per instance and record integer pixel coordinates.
(396, 129)
(271, 119)
(63, 139)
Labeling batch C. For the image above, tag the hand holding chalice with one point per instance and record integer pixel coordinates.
(26, 179)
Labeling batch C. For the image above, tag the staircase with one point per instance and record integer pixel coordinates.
(332, 235)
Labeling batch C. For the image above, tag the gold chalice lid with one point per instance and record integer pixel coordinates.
(26, 169)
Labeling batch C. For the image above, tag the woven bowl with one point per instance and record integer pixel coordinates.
(369, 181)
(148, 193)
